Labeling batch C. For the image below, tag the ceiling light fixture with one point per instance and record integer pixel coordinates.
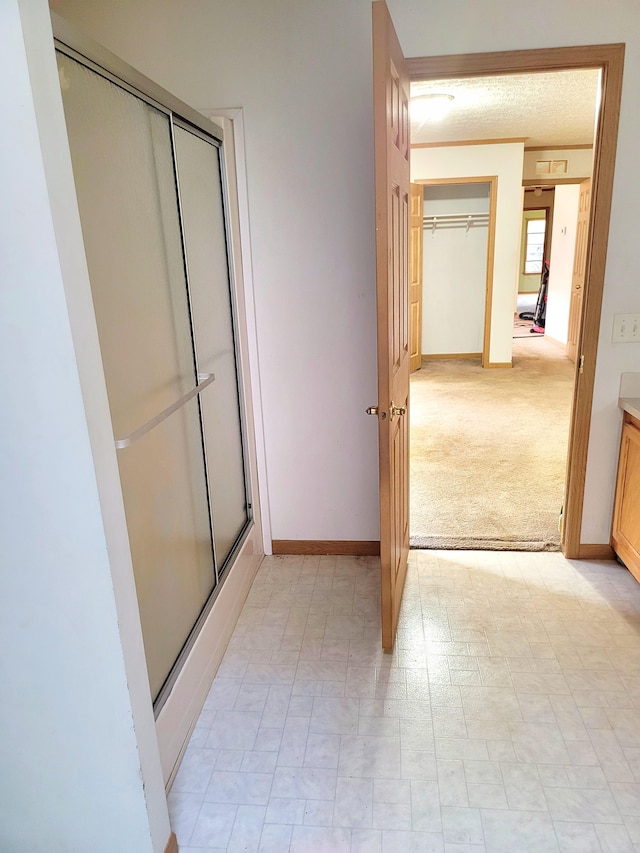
(432, 106)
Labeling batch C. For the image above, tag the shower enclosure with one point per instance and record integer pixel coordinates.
(152, 200)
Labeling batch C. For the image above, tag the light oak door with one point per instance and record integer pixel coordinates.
(579, 269)
(416, 215)
(391, 134)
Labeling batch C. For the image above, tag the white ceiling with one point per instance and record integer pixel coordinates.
(555, 108)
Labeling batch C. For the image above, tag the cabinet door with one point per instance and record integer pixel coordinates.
(625, 536)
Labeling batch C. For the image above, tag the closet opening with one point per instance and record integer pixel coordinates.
(458, 232)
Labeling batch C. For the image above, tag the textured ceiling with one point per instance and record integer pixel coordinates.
(555, 108)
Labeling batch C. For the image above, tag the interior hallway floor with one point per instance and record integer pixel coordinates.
(507, 719)
(488, 450)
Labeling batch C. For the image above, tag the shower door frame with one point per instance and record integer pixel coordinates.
(196, 665)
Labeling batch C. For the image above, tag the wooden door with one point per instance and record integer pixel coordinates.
(416, 211)
(391, 135)
(579, 269)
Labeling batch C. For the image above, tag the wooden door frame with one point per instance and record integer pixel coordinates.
(416, 250)
(609, 59)
(492, 180)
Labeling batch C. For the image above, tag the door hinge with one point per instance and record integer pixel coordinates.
(581, 364)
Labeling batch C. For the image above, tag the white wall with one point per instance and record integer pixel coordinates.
(454, 272)
(505, 161)
(563, 244)
(579, 162)
(456, 198)
(303, 73)
(80, 763)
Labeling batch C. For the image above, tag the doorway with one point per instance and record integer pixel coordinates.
(483, 474)
(534, 247)
(457, 245)
(609, 60)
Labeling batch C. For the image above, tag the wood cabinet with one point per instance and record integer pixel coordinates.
(625, 534)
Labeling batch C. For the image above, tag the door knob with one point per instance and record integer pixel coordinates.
(397, 410)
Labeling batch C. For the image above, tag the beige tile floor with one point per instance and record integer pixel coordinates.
(507, 719)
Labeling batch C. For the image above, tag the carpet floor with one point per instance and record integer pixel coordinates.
(524, 329)
(488, 450)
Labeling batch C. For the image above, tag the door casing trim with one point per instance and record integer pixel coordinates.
(609, 59)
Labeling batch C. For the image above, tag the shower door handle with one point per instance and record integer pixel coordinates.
(204, 380)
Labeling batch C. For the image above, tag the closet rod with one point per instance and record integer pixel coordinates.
(455, 220)
(440, 217)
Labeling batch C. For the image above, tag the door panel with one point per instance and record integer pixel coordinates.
(391, 123)
(579, 269)
(416, 242)
(201, 198)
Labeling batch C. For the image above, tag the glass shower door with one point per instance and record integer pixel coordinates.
(122, 153)
(201, 198)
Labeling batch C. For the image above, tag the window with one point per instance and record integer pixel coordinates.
(534, 246)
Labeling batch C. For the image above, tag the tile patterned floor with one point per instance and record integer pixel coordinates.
(507, 719)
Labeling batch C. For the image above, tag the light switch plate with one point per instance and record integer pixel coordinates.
(626, 328)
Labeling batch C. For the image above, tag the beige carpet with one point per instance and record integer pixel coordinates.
(522, 329)
(488, 450)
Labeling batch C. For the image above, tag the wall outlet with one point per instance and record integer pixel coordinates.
(626, 328)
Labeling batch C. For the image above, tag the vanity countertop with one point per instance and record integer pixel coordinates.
(630, 405)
